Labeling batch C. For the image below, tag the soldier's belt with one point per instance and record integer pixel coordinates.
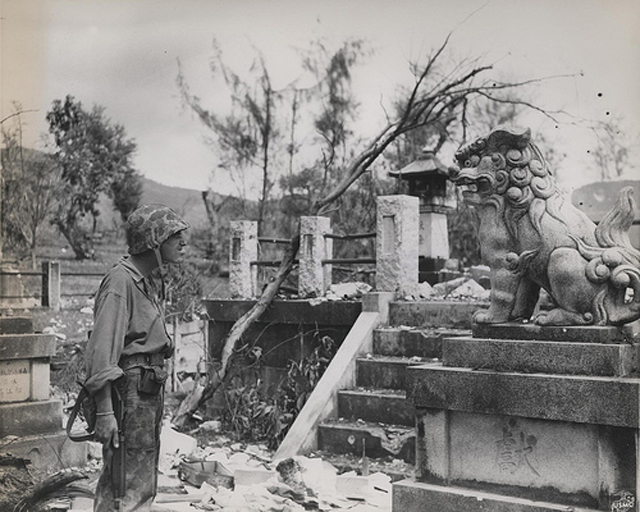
(141, 360)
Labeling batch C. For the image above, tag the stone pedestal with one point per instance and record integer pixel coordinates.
(30, 422)
(521, 417)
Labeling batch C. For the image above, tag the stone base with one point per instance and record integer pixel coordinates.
(30, 418)
(48, 453)
(410, 496)
(527, 418)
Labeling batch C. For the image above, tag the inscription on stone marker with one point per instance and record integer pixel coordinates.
(388, 233)
(235, 248)
(516, 449)
(309, 245)
(14, 381)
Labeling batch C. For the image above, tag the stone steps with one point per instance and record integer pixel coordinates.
(412, 496)
(384, 372)
(608, 401)
(435, 314)
(15, 324)
(378, 405)
(412, 341)
(376, 440)
(524, 418)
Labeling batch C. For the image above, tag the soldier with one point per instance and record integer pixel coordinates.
(125, 358)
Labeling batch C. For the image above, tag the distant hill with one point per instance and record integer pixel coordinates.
(596, 199)
(187, 202)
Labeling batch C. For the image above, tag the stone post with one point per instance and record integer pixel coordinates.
(51, 284)
(397, 226)
(243, 276)
(314, 278)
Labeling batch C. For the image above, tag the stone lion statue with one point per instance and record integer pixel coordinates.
(532, 237)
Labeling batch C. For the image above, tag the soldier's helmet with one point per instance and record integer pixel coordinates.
(150, 225)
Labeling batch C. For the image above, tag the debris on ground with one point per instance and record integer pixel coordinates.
(344, 291)
(210, 471)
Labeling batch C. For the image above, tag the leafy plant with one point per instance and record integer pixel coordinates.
(252, 414)
(302, 376)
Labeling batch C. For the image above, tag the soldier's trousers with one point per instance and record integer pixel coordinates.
(142, 423)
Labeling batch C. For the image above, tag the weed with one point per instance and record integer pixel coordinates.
(255, 415)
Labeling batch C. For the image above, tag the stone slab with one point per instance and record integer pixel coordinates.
(392, 341)
(349, 437)
(580, 334)
(48, 453)
(30, 418)
(441, 314)
(376, 405)
(27, 346)
(15, 325)
(571, 358)
(381, 371)
(611, 400)
(527, 458)
(288, 312)
(411, 496)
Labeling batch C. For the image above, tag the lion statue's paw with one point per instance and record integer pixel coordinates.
(487, 317)
(559, 316)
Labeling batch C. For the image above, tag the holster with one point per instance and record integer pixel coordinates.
(152, 378)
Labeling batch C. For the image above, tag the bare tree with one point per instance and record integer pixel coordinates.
(434, 100)
(248, 137)
(28, 189)
(612, 152)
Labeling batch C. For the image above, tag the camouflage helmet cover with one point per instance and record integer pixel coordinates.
(150, 225)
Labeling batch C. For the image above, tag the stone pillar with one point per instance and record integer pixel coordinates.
(51, 284)
(397, 226)
(314, 278)
(11, 287)
(243, 276)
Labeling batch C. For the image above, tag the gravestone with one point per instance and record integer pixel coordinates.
(30, 421)
(538, 410)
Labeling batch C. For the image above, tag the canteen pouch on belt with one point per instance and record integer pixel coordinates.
(151, 380)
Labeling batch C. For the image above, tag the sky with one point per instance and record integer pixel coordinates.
(123, 54)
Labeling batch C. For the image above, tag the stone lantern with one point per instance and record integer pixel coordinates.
(427, 178)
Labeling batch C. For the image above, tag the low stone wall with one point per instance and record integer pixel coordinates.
(288, 330)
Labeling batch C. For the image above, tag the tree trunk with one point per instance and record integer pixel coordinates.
(202, 391)
(77, 240)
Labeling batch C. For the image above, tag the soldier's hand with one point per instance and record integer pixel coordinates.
(107, 430)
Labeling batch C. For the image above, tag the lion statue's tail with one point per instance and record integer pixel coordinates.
(618, 262)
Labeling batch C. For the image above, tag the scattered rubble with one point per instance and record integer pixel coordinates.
(220, 474)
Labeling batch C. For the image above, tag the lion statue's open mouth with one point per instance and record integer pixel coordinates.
(533, 238)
